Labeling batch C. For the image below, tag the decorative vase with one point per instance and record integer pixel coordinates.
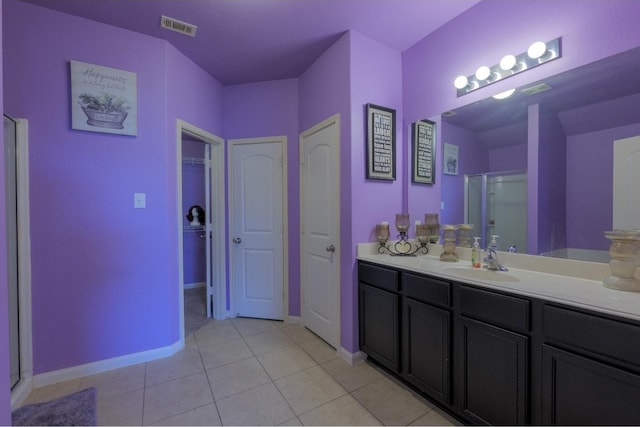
(625, 260)
(449, 245)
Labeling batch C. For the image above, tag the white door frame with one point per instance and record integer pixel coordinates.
(285, 218)
(217, 218)
(335, 119)
(23, 388)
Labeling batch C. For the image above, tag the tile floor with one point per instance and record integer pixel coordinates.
(251, 372)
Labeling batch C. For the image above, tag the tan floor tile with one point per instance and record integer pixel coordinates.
(120, 410)
(116, 381)
(206, 415)
(216, 333)
(175, 397)
(391, 403)
(268, 341)
(221, 354)
(184, 363)
(309, 389)
(53, 391)
(236, 377)
(292, 422)
(351, 377)
(285, 361)
(298, 333)
(248, 326)
(344, 411)
(435, 418)
(262, 405)
(319, 350)
(190, 341)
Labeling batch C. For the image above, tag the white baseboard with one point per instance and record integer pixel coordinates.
(351, 358)
(66, 374)
(195, 285)
(20, 392)
(294, 320)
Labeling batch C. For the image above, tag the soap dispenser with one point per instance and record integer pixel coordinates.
(475, 253)
(494, 243)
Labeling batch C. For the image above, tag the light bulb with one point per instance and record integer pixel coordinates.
(483, 73)
(536, 50)
(505, 94)
(460, 82)
(508, 62)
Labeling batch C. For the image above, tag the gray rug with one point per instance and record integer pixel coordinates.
(77, 409)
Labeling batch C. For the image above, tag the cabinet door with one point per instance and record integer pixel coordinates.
(494, 374)
(581, 391)
(379, 313)
(427, 348)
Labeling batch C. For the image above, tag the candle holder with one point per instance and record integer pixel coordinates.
(464, 235)
(449, 245)
(625, 260)
(431, 220)
(402, 247)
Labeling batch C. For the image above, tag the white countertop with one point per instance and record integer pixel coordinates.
(565, 289)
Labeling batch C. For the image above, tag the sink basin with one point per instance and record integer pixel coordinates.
(483, 274)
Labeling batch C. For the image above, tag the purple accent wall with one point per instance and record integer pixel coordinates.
(371, 201)
(5, 394)
(431, 65)
(271, 109)
(508, 158)
(105, 278)
(589, 184)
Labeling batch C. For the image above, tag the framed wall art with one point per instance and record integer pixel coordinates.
(423, 164)
(103, 99)
(450, 159)
(381, 143)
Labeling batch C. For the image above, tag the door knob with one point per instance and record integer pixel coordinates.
(331, 248)
(237, 240)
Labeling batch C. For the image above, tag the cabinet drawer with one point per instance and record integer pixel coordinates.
(610, 338)
(501, 310)
(426, 289)
(380, 277)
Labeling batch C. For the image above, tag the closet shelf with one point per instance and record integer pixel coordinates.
(193, 160)
(193, 229)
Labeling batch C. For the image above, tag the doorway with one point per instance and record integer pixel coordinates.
(258, 226)
(200, 205)
(626, 176)
(320, 229)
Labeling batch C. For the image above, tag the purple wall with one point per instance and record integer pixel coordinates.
(271, 109)
(589, 186)
(105, 278)
(5, 395)
(431, 65)
(371, 201)
(508, 158)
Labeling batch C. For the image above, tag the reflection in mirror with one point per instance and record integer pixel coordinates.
(561, 133)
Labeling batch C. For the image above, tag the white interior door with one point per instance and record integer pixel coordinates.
(320, 229)
(257, 229)
(626, 183)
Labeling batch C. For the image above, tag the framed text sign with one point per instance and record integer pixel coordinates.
(423, 152)
(381, 143)
(103, 99)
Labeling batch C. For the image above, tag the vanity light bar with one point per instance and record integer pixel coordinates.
(538, 53)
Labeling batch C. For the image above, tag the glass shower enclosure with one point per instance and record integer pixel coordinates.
(496, 204)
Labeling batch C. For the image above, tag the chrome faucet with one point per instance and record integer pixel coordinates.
(492, 261)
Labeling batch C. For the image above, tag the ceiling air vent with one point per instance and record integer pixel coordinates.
(449, 113)
(542, 87)
(178, 26)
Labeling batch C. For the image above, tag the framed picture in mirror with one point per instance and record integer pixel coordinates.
(450, 159)
(423, 165)
(381, 143)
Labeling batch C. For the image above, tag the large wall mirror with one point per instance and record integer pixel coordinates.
(537, 167)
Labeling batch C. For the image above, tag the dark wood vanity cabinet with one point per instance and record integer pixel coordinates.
(426, 335)
(492, 357)
(379, 314)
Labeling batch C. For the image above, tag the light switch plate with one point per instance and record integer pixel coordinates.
(139, 200)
